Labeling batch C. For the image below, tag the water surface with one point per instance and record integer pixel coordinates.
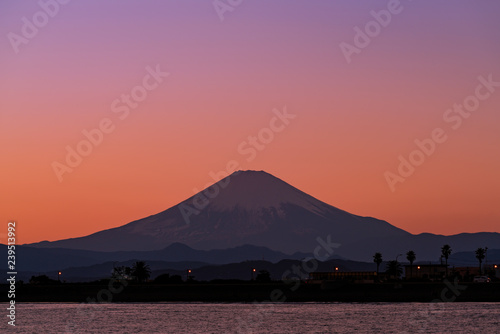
(258, 318)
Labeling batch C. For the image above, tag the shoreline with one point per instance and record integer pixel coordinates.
(260, 292)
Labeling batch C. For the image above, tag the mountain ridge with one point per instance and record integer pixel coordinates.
(257, 208)
(250, 208)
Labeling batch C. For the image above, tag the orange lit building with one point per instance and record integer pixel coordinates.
(432, 272)
(345, 276)
(466, 272)
(494, 268)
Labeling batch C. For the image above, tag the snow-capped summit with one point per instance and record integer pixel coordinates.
(258, 190)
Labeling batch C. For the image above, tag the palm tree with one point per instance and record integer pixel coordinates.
(480, 255)
(377, 258)
(141, 271)
(410, 256)
(122, 272)
(393, 268)
(446, 252)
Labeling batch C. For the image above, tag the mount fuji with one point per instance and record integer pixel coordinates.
(256, 208)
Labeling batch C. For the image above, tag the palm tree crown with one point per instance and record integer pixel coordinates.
(141, 271)
(446, 252)
(411, 257)
(393, 268)
(480, 255)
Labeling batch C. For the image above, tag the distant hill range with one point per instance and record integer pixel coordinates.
(200, 271)
(256, 208)
(55, 259)
(468, 259)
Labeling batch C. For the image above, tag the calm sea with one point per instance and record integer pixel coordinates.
(258, 318)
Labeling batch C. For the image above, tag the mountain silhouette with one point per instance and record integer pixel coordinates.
(256, 208)
(247, 207)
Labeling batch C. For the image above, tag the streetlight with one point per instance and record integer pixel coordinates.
(253, 271)
(187, 274)
(59, 276)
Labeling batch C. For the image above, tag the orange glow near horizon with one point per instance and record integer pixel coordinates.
(352, 121)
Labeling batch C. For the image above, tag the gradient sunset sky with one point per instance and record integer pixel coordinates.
(353, 120)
